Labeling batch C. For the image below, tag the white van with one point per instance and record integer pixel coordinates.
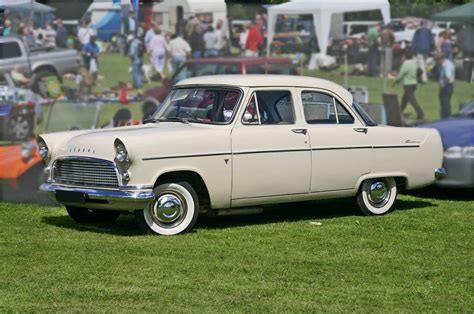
(167, 13)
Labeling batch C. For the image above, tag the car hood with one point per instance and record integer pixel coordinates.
(150, 140)
(454, 132)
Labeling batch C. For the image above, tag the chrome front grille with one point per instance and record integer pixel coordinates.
(87, 172)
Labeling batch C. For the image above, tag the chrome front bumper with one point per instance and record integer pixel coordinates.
(117, 199)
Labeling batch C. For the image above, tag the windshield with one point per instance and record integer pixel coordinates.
(213, 105)
(363, 114)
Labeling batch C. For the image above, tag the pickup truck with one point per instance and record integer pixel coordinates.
(37, 62)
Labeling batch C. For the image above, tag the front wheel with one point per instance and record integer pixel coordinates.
(377, 196)
(173, 210)
(91, 216)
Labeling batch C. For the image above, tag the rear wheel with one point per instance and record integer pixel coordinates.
(377, 196)
(91, 216)
(174, 210)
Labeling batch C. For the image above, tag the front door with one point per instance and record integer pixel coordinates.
(341, 151)
(270, 149)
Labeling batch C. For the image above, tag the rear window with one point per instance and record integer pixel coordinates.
(10, 50)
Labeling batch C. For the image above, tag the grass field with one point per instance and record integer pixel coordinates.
(418, 258)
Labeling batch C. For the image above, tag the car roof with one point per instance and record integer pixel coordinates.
(242, 60)
(268, 80)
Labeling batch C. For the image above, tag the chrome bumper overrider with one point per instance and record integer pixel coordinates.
(440, 173)
(117, 199)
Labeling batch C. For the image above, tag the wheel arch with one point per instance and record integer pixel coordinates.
(192, 177)
(401, 179)
(42, 67)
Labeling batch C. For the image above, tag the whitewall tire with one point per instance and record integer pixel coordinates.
(174, 210)
(377, 196)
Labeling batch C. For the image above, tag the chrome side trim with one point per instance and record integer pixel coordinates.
(440, 173)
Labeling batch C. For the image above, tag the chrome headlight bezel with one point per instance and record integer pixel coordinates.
(43, 150)
(121, 153)
(122, 161)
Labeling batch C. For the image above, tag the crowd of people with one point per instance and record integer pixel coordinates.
(192, 39)
(195, 38)
(53, 33)
(414, 68)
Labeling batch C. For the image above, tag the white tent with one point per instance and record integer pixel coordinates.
(322, 11)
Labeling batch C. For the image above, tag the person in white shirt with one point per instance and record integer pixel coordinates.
(223, 42)
(85, 32)
(211, 41)
(180, 50)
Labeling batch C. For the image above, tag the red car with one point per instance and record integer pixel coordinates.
(218, 66)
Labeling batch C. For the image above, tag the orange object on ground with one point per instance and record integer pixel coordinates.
(17, 159)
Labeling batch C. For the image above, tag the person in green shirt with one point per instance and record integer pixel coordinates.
(408, 77)
(373, 45)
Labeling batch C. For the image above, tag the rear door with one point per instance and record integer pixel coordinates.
(341, 149)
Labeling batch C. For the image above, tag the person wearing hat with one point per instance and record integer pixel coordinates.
(137, 50)
(446, 84)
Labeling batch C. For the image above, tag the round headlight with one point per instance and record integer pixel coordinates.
(121, 153)
(43, 149)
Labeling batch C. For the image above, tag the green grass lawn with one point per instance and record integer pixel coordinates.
(418, 258)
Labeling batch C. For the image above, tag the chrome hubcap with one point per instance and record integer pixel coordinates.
(378, 193)
(168, 209)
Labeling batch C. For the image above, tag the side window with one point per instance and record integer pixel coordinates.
(343, 116)
(318, 108)
(270, 107)
(10, 50)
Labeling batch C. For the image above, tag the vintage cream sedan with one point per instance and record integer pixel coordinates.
(227, 144)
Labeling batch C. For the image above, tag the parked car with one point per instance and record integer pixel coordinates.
(457, 133)
(233, 142)
(220, 65)
(36, 62)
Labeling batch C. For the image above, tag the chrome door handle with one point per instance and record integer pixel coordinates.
(361, 130)
(300, 131)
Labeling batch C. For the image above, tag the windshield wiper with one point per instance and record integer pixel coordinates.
(182, 120)
(150, 120)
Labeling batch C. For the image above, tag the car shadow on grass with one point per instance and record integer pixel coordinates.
(316, 210)
(124, 226)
